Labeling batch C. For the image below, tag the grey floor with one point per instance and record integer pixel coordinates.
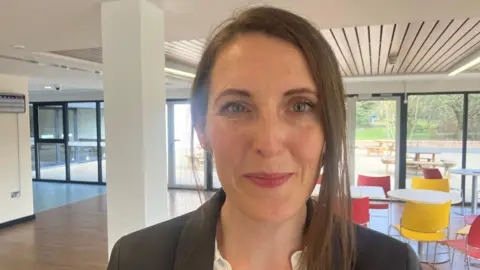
(52, 195)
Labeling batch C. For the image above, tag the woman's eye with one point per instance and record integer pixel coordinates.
(301, 107)
(234, 108)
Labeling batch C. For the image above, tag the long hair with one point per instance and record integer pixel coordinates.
(329, 237)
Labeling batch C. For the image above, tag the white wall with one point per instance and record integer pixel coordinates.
(65, 95)
(412, 84)
(15, 157)
(92, 95)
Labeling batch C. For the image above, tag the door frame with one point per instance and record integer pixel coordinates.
(351, 131)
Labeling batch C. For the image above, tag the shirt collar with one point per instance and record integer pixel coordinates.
(221, 264)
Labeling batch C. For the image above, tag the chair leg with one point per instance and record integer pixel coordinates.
(435, 253)
(427, 250)
(453, 257)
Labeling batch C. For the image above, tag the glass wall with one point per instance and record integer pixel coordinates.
(186, 173)
(52, 161)
(82, 141)
(68, 147)
(473, 138)
(50, 122)
(102, 143)
(32, 142)
(434, 135)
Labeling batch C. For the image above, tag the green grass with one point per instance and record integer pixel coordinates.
(374, 133)
(380, 133)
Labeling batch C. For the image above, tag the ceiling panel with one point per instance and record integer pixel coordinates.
(353, 44)
(402, 48)
(327, 34)
(364, 44)
(444, 37)
(428, 33)
(342, 43)
(469, 40)
(464, 53)
(411, 43)
(386, 40)
(468, 27)
(374, 33)
(399, 34)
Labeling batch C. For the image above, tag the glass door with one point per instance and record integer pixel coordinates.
(185, 169)
(51, 142)
(373, 136)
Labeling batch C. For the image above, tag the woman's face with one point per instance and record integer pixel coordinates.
(261, 126)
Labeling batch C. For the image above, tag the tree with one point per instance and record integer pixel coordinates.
(364, 113)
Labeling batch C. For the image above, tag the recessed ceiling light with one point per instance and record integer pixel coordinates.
(47, 87)
(18, 47)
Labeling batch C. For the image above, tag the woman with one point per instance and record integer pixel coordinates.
(268, 104)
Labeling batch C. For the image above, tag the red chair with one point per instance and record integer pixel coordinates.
(432, 173)
(470, 246)
(361, 211)
(470, 219)
(376, 181)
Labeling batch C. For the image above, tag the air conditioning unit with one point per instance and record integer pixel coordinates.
(12, 103)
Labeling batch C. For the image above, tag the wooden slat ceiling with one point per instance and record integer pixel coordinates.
(419, 47)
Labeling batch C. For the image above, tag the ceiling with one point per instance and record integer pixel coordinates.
(428, 35)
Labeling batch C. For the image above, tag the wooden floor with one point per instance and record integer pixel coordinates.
(75, 236)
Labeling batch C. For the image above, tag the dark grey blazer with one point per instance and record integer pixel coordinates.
(188, 242)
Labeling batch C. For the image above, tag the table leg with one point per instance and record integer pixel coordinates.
(428, 257)
(421, 252)
(474, 195)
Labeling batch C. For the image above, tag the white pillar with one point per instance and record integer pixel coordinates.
(135, 121)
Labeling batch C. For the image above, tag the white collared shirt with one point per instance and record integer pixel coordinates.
(219, 263)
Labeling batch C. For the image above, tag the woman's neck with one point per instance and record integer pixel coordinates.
(252, 244)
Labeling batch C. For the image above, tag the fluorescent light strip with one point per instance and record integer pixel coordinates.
(179, 73)
(465, 67)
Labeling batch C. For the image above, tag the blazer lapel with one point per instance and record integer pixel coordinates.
(196, 245)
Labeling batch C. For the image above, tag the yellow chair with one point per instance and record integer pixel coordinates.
(462, 232)
(436, 185)
(431, 184)
(425, 222)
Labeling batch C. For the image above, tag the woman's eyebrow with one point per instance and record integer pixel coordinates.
(302, 90)
(233, 92)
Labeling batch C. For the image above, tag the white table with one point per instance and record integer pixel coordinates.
(474, 173)
(359, 192)
(425, 196)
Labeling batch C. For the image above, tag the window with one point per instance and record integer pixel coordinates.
(434, 134)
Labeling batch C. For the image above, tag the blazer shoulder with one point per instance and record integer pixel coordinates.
(376, 250)
(148, 248)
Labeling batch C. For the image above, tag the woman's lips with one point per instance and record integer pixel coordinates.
(268, 180)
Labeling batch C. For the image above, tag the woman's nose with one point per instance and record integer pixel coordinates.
(269, 136)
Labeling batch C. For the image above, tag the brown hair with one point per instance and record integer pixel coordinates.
(329, 240)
